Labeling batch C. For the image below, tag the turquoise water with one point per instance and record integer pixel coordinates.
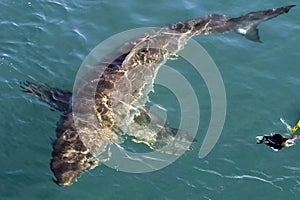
(47, 41)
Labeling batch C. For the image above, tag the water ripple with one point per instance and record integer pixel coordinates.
(80, 34)
(254, 177)
(292, 168)
(186, 182)
(245, 176)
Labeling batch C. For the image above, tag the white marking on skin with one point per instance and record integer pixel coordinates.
(242, 31)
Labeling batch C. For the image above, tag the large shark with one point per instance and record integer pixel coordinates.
(122, 91)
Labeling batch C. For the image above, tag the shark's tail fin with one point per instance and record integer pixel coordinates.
(247, 25)
(57, 99)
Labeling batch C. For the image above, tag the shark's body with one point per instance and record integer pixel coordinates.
(122, 91)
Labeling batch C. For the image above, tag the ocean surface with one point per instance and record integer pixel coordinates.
(46, 41)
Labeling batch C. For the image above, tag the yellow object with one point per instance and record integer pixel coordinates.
(295, 128)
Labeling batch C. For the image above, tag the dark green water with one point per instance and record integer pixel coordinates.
(48, 40)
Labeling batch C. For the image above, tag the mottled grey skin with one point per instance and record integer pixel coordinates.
(122, 91)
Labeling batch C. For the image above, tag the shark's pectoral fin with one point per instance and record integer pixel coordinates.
(57, 99)
(152, 131)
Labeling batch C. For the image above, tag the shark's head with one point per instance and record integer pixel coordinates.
(70, 158)
(67, 173)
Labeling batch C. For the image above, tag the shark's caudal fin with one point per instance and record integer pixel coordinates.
(247, 25)
(56, 98)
